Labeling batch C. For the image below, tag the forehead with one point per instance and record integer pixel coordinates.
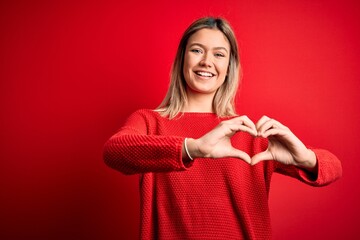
(211, 38)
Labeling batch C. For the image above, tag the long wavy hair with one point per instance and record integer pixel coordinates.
(224, 99)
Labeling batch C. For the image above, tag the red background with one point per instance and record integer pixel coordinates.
(70, 73)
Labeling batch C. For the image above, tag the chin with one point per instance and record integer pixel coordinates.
(204, 90)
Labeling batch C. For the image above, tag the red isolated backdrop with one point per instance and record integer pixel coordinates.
(71, 73)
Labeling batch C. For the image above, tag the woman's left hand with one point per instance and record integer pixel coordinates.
(283, 145)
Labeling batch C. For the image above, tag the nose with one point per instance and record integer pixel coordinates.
(206, 61)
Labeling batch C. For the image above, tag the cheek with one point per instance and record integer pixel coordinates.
(187, 64)
(190, 62)
(223, 68)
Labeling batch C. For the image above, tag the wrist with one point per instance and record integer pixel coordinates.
(191, 148)
(311, 162)
(187, 150)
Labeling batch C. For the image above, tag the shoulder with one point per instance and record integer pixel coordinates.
(145, 115)
(143, 120)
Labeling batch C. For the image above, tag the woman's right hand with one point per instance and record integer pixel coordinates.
(217, 143)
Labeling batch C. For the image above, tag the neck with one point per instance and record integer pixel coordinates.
(198, 102)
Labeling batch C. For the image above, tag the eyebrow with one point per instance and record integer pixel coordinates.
(216, 48)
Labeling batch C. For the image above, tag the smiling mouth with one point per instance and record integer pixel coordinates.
(204, 74)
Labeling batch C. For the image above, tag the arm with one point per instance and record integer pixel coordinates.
(314, 166)
(217, 142)
(327, 170)
(134, 149)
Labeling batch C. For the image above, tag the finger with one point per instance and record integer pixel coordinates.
(242, 128)
(263, 156)
(242, 120)
(269, 124)
(261, 121)
(245, 121)
(249, 123)
(273, 132)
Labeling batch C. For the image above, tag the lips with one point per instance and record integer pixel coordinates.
(204, 74)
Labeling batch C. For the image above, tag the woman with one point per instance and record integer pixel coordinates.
(205, 172)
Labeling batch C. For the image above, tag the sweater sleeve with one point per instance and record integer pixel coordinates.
(135, 149)
(328, 169)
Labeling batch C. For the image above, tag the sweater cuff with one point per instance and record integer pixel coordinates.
(328, 169)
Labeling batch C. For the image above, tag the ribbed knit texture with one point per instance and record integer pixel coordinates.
(209, 198)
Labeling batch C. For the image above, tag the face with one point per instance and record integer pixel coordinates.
(206, 61)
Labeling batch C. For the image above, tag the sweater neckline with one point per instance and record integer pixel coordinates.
(198, 113)
(195, 114)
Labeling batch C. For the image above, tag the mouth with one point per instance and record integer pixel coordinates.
(204, 74)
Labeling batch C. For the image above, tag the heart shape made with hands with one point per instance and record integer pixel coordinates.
(283, 145)
(265, 128)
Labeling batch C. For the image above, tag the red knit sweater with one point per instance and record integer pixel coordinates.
(210, 198)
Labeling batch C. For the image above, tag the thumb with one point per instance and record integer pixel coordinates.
(262, 156)
(240, 154)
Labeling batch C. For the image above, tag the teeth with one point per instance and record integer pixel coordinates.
(204, 74)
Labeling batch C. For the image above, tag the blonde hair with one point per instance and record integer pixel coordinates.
(224, 99)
